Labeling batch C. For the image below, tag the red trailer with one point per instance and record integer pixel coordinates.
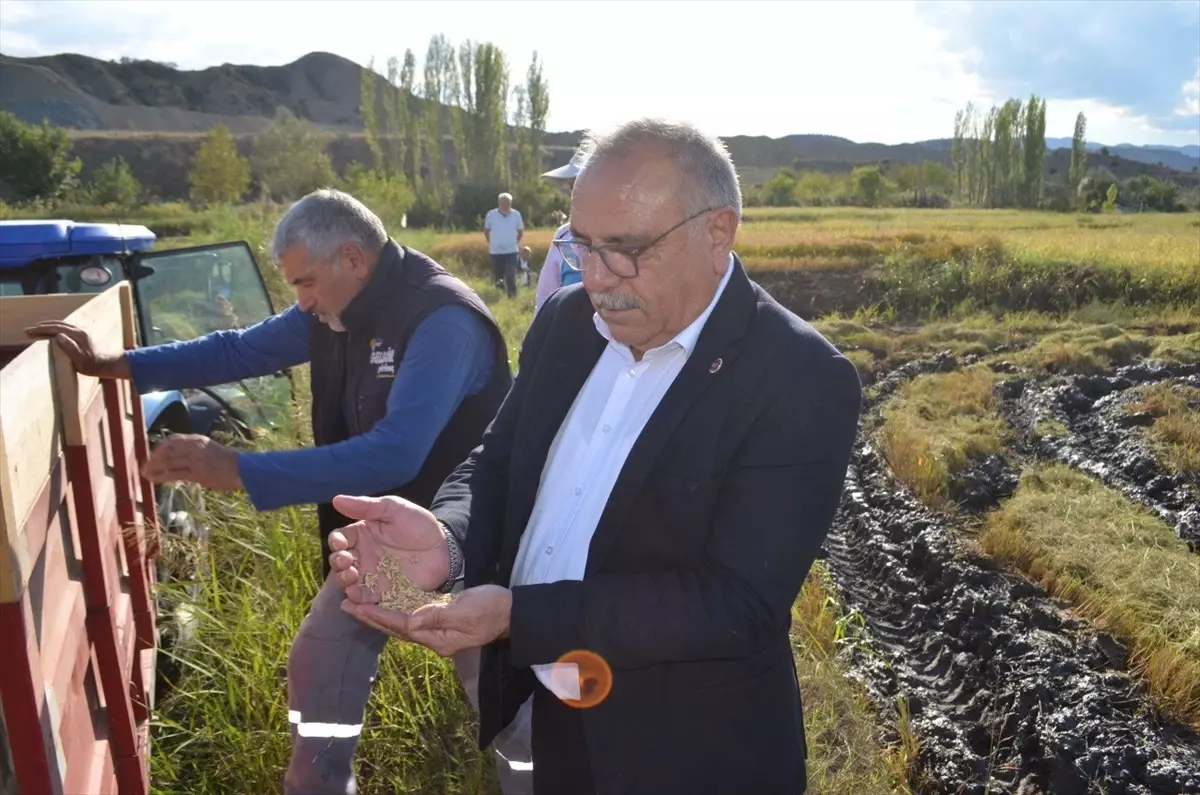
(77, 618)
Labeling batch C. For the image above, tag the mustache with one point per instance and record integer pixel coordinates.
(614, 300)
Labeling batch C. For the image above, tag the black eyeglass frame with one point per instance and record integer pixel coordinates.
(631, 252)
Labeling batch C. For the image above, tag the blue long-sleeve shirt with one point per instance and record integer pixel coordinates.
(448, 358)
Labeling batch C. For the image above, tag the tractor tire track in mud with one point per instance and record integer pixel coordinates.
(1104, 440)
(1006, 692)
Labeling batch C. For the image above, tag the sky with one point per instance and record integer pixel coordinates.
(889, 72)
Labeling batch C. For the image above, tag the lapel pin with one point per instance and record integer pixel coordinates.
(716, 365)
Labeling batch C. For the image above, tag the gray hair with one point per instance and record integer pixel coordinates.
(702, 161)
(324, 221)
(504, 196)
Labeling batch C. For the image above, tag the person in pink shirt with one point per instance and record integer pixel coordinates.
(557, 272)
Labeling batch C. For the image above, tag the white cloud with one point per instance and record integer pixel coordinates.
(13, 12)
(1190, 104)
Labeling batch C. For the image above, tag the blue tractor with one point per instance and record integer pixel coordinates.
(178, 294)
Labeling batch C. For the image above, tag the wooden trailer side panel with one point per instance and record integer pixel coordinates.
(76, 604)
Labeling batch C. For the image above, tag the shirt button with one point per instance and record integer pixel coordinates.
(631, 372)
(578, 491)
(607, 428)
(549, 550)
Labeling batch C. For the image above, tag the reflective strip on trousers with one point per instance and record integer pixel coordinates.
(324, 730)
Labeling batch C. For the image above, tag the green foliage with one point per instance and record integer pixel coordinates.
(395, 117)
(35, 162)
(410, 130)
(386, 195)
(1093, 190)
(368, 108)
(490, 163)
(780, 190)
(113, 183)
(1110, 198)
(814, 187)
(1078, 151)
(999, 156)
(870, 186)
(289, 158)
(537, 90)
(1145, 193)
(220, 175)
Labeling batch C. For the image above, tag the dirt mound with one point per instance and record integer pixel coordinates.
(1006, 692)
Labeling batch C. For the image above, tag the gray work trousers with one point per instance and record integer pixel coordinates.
(331, 669)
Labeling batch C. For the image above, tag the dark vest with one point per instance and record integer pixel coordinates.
(353, 371)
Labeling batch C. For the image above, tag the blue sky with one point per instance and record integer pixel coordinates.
(888, 71)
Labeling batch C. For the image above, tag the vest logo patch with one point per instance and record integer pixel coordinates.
(384, 359)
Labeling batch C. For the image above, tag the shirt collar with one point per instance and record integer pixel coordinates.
(685, 339)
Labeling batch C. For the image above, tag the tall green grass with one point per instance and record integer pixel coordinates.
(223, 726)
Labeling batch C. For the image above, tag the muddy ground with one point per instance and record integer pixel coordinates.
(1007, 692)
(1105, 440)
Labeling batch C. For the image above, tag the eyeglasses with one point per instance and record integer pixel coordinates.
(621, 260)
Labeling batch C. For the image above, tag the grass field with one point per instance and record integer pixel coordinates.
(1049, 294)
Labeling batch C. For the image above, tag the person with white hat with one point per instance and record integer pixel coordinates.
(559, 271)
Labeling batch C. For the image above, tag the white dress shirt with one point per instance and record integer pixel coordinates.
(587, 456)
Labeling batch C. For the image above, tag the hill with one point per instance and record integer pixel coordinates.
(85, 93)
(1184, 158)
(153, 115)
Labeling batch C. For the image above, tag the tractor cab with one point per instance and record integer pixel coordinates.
(179, 295)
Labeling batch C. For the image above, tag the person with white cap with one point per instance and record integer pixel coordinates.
(559, 271)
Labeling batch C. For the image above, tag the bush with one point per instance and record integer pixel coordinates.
(113, 183)
(388, 196)
(220, 175)
(1145, 193)
(35, 162)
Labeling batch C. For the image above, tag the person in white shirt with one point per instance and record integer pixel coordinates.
(635, 528)
(504, 229)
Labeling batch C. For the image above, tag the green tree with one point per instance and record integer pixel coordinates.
(489, 145)
(957, 152)
(870, 187)
(524, 139)
(813, 187)
(1035, 150)
(537, 91)
(220, 175)
(1110, 199)
(395, 120)
(938, 178)
(389, 195)
(780, 189)
(452, 98)
(35, 162)
(1147, 194)
(368, 108)
(113, 183)
(289, 158)
(412, 115)
(1078, 151)
(435, 96)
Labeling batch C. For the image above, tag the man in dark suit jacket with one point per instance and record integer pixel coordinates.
(642, 512)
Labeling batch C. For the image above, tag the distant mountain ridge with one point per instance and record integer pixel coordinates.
(153, 115)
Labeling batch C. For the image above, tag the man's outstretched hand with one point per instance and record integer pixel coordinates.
(77, 345)
(391, 534)
(474, 618)
(193, 458)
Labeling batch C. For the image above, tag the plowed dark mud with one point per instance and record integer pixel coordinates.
(1106, 441)
(1007, 693)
